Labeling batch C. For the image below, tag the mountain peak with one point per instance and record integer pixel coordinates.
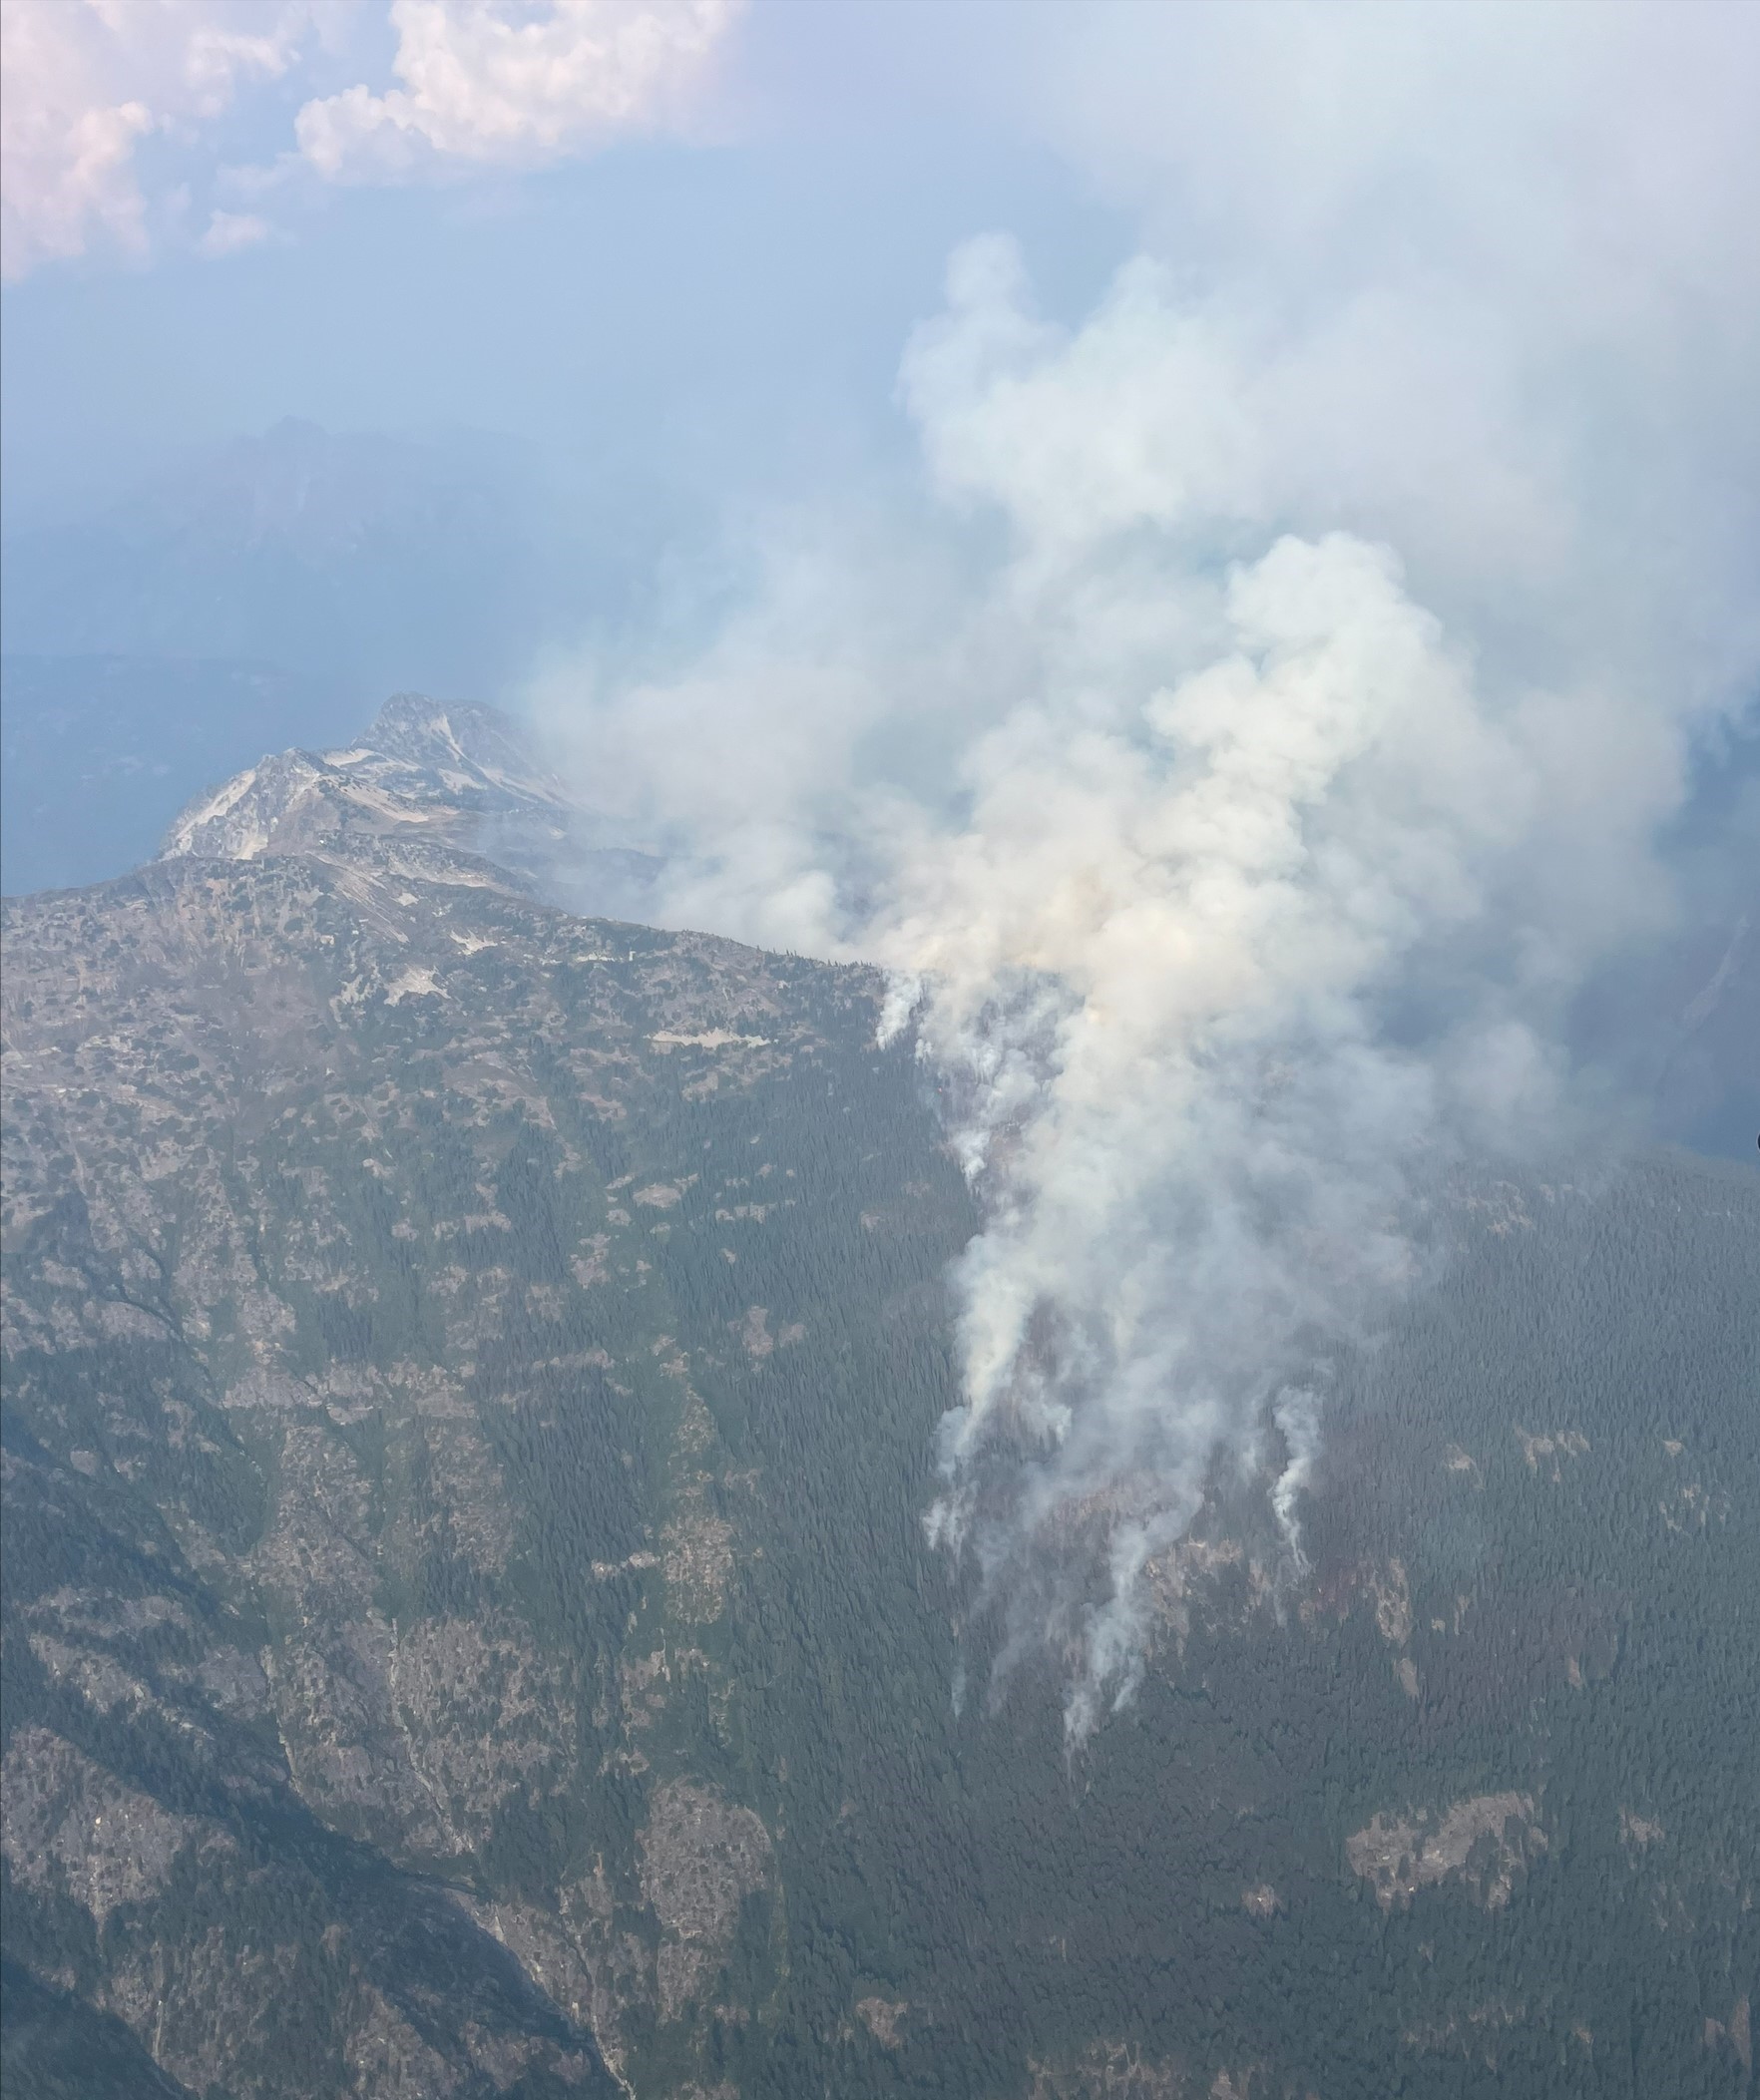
(462, 741)
(439, 768)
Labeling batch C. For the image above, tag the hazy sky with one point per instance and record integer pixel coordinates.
(687, 239)
(717, 286)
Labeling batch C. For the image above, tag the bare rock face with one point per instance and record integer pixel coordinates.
(72, 1826)
(700, 1855)
(437, 781)
(1485, 1840)
(422, 768)
(1120, 2071)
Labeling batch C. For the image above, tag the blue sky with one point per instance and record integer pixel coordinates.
(1484, 280)
(704, 261)
(723, 305)
(1505, 260)
(727, 307)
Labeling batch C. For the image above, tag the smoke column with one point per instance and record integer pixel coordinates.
(1241, 761)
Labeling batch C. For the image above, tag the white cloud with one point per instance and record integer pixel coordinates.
(231, 232)
(488, 83)
(484, 83)
(88, 79)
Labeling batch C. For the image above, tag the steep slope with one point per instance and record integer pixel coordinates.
(421, 765)
(446, 775)
(400, 1507)
(471, 1384)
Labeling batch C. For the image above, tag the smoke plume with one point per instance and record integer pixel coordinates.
(1234, 876)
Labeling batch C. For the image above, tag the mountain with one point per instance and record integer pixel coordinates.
(472, 1375)
(435, 771)
(249, 597)
(353, 558)
(449, 775)
(98, 754)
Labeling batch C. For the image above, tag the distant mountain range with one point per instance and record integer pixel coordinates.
(358, 561)
(261, 595)
(251, 598)
(98, 754)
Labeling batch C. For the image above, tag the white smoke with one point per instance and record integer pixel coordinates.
(1158, 958)
(1231, 892)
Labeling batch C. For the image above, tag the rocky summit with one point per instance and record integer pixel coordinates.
(472, 1375)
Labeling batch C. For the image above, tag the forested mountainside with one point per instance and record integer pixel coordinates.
(471, 1382)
